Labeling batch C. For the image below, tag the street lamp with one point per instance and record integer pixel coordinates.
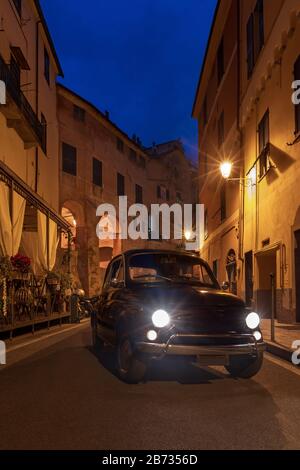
(187, 235)
(226, 168)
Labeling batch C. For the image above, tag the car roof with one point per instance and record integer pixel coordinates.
(137, 251)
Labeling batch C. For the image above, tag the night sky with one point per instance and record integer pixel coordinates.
(139, 59)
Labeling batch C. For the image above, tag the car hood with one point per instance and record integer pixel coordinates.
(186, 297)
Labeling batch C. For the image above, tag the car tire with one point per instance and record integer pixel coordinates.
(97, 343)
(245, 367)
(130, 368)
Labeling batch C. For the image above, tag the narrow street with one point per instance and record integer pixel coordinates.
(56, 394)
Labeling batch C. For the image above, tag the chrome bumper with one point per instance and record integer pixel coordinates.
(168, 349)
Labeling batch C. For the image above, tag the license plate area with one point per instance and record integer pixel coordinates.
(213, 360)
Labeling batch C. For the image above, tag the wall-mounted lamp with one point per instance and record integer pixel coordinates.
(226, 169)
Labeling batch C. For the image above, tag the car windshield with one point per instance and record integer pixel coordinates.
(165, 267)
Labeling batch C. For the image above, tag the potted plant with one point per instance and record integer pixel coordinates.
(21, 265)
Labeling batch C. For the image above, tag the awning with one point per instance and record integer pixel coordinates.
(13, 180)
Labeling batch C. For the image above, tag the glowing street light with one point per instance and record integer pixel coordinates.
(225, 169)
(187, 235)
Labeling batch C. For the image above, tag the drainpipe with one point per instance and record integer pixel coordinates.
(37, 102)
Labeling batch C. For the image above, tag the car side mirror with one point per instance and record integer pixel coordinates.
(116, 283)
(225, 285)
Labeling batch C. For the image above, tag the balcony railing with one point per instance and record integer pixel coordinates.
(15, 93)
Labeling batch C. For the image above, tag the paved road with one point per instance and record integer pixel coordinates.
(56, 394)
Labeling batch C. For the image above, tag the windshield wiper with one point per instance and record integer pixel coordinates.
(155, 276)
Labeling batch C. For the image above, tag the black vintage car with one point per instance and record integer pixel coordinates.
(163, 303)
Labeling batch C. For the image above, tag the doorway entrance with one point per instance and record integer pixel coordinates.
(266, 265)
(249, 278)
(297, 274)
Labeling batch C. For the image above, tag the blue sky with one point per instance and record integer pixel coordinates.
(139, 59)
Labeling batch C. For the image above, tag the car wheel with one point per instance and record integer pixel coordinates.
(245, 367)
(130, 368)
(97, 343)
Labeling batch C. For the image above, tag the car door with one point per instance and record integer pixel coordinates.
(110, 298)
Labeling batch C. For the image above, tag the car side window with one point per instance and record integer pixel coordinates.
(116, 272)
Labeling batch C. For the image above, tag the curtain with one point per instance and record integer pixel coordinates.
(29, 247)
(42, 242)
(10, 230)
(19, 205)
(5, 221)
(53, 244)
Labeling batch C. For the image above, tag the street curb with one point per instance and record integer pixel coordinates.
(279, 351)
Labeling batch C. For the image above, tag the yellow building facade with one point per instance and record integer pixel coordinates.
(260, 202)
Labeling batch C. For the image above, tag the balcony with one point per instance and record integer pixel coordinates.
(18, 111)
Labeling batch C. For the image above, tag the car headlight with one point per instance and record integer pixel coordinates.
(160, 318)
(252, 320)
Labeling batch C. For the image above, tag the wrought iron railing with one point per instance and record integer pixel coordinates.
(13, 89)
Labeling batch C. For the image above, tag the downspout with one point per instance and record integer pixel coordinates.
(37, 102)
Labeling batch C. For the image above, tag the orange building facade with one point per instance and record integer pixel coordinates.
(99, 163)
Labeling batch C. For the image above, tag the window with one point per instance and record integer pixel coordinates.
(161, 267)
(205, 111)
(116, 272)
(120, 145)
(259, 29)
(120, 185)
(255, 35)
(18, 5)
(97, 172)
(44, 138)
(69, 159)
(263, 147)
(158, 192)
(78, 113)
(250, 45)
(138, 194)
(15, 70)
(220, 61)
(221, 129)
(223, 202)
(297, 106)
(168, 194)
(142, 162)
(132, 155)
(46, 65)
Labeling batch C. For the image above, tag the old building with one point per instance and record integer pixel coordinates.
(29, 166)
(99, 163)
(216, 107)
(255, 42)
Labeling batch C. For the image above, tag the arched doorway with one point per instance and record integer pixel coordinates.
(109, 240)
(73, 212)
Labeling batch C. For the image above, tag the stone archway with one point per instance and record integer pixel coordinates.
(73, 212)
